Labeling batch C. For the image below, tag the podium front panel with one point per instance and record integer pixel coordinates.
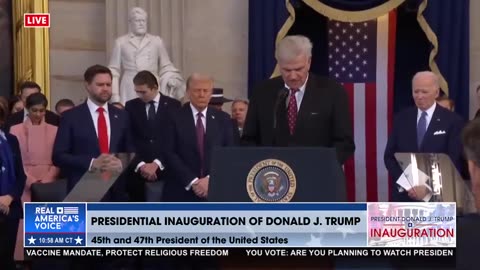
(276, 174)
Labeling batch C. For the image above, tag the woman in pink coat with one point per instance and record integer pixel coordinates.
(36, 138)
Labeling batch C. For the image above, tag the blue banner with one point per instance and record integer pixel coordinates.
(239, 225)
(55, 224)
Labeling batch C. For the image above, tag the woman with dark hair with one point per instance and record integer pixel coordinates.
(36, 138)
(12, 182)
(15, 104)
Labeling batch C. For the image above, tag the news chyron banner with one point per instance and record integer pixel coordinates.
(213, 229)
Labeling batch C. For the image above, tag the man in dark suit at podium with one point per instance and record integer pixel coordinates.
(91, 131)
(195, 130)
(149, 114)
(424, 128)
(299, 108)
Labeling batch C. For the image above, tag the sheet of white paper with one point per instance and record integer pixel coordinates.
(406, 179)
(403, 182)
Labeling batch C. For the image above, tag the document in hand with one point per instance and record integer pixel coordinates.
(412, 177)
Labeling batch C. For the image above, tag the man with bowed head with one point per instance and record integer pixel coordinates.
(138, 51)
(424, 128)
(299, 108)
(195, 130)
(90, 132)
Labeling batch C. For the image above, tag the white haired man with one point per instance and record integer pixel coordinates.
(299, 108)
(423, 128)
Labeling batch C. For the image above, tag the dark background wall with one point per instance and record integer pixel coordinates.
(6, 51)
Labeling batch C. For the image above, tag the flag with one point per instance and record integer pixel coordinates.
(70, 210)
(361, 57)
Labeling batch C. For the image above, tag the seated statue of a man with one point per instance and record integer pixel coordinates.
(137, 51)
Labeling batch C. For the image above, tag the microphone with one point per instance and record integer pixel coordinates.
(281, 96)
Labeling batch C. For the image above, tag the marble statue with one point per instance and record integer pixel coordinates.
(137, 51)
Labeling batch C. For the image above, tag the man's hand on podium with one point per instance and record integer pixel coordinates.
(107, 162)
(99, 162)
(113, 164)
(418, 192)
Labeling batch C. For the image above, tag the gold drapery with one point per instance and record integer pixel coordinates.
(432, 37)
(283, 31)
(31, 46)
(353, 16)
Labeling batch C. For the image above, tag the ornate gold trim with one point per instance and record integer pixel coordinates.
(353, 16)
(284, 31)
(432, 37)
(31, 46)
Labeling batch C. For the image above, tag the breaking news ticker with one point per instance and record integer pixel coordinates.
(240, 252)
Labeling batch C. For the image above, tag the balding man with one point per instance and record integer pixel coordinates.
(425, 128)
(195, 130)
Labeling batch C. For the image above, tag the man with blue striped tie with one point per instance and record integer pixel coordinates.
(424, 128)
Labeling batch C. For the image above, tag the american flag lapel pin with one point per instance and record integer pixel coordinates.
(213, 116)
(115, 116)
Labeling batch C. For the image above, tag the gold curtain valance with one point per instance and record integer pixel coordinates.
(284, 31)
(353, 16)
(432, 37)
(31, 46)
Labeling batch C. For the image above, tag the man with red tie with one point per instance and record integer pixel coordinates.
(90, 133)
(299, 108)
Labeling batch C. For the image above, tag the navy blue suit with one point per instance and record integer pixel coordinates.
(9, 225)
(182, 152)
(468, 241)
(76, 142)
(404, 139)
(148, 139)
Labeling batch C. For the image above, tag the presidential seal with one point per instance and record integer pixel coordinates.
(271, 180)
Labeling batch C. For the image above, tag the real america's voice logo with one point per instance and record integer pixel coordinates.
(55, 217)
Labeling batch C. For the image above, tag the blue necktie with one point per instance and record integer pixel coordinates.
(421, 128)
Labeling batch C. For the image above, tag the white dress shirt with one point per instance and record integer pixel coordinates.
(429, 112)
(156, 101)
(25, 114)
(298, 95)
(92, 107)
(204, 122)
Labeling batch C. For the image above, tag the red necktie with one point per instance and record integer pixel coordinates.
(102, 131)
(292, 111)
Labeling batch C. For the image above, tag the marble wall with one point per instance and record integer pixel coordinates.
(209, 36)
(77, 40)
(474, 56)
